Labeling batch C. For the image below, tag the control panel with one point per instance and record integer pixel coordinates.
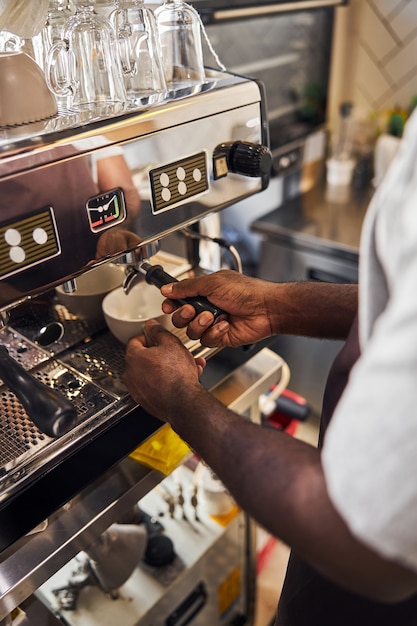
(28, 241)
(174, 183)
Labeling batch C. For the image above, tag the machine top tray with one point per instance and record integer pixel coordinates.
(77, 129)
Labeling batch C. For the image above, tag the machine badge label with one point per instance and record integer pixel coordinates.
(175, 183)
(27, 242)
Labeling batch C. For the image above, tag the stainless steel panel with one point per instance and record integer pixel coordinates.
(272, 9)
(216, 10)
(49, 190)
(29, 145)
(57, 223)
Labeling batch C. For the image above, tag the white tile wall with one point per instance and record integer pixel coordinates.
(387, 7)
(382, 47)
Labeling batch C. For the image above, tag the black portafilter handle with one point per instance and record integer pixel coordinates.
(49, 410)
(155, 275)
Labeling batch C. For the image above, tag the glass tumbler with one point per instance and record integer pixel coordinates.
(58, 13)
(85, 64)
(9, 42)
(179, 29)
(137, 38)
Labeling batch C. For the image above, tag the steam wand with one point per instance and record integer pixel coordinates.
(187, 232)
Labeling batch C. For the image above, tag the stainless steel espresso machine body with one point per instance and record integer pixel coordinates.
(181, 160)
(48, 189)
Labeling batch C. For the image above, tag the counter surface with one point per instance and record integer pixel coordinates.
(314, 236)
(326, 219)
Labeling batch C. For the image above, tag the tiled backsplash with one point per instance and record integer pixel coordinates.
(380, 53)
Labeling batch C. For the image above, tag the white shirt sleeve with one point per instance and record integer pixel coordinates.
(370, 449)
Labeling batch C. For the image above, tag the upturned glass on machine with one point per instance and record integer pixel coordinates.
(179, 29)
(85, 66)
(138, 44)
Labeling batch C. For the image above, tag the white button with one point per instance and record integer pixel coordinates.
(166, 194)
(197, 175)
(181, 173)
(17, 254)
(164, 179)
(12, 237)
(182, 189)
(40, 236)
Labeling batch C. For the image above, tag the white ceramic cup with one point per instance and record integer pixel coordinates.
(92, 286)
(126, 315)
(24, 94)
(340, 171)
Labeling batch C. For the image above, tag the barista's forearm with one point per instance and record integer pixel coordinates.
(313, 309)
(279, 481)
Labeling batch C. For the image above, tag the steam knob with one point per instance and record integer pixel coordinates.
(248, 159)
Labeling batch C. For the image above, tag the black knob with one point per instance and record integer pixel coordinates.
(248, 159)
(159, 551)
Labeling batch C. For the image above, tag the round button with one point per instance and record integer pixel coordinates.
(12, 237)
(166, 194)
(197, 175)
(164, 179)
(40, 236)
(181, 173)
(17, 254)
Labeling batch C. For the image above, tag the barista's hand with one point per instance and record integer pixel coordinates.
(242, 297)
(159, 369)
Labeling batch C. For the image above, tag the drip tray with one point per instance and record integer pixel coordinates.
(89, 374)
(86, 364)
(100, 362)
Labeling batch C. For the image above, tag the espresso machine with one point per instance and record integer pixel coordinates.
(68, 424)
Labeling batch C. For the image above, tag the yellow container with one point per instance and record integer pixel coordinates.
(163, 451)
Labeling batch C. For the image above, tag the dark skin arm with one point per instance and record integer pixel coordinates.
(258, 309)
(292, 503)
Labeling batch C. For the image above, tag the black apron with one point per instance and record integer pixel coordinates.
(309, 599)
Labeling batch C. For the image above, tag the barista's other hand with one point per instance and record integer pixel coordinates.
(242, 297)
(159, 369)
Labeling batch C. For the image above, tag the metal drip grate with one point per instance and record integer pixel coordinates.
(103, 361)
(25, 353)
(19, 435)
(42, 314)
(86, 365)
